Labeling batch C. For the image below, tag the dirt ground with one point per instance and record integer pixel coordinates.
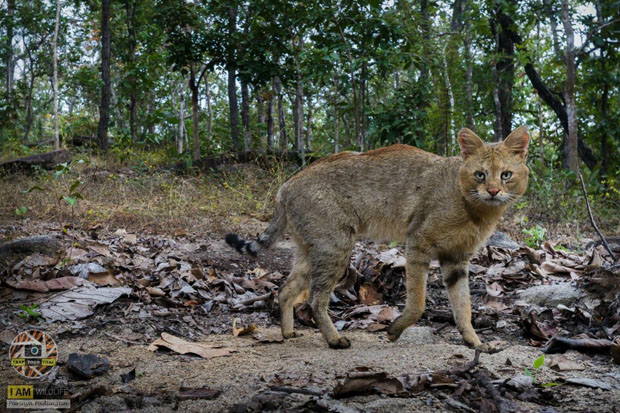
(123, 330)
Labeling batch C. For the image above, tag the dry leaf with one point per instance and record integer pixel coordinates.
(236, 331)
(369, 295)
(155, 291)
(178, 345)
(561, 363)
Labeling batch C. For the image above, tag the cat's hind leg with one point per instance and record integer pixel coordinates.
(297, 283)
(327, 268)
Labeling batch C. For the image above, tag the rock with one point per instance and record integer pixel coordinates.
(551, 295)
(417, 335)
(22, 247)
(502, 240)
(87, 365)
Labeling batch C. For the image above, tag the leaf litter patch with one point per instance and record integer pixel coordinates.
(171, 293)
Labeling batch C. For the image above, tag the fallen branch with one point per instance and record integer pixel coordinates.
(585, 195)
(45, 160)
(293, 390)
(252, 300)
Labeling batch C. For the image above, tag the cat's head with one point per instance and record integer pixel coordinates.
(493, 174)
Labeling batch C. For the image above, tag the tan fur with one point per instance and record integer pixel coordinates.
(400, 193)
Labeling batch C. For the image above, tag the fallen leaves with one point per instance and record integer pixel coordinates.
(178, 345)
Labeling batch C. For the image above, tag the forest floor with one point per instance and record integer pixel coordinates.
(138, 300)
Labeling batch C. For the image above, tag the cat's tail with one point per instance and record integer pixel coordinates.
(273, 232)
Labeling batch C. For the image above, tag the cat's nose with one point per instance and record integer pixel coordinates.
(493, 191)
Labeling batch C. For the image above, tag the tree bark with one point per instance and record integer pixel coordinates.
(10, 63)
(504, 66)
(452, 132)
(209, 108)
(336, 131)
(308, 145)
(29, 99)
(469, 100)
(181, 134)
(132, 41)
(233, 104)
(55, 58)
(571, 159)
(260, 109)
(270, 122)
(193, 85)
(283, 140)
(245, 115)
(104, 109)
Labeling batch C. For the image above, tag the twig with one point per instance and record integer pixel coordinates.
(292, 390)
(585, 195)
(467, 367)
(253, 300)
(124, 340)
(503, 405)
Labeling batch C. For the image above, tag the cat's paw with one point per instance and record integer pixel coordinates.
(394, 331)
(492, 346)
(293, 334)
(340, 343)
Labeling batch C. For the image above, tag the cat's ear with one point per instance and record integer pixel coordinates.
(469, 142)
(518, 141)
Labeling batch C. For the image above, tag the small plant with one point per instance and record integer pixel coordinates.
(538, 364)
(28, 312)
(21, 211)
(63, 189)
(536, 236)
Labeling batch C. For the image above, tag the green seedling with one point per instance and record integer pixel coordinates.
(29, 311)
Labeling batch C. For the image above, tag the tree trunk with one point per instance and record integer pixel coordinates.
(193, 85)
(55, 58)
(336, 131)
(504, 65)
(309, 125)
(181, 119)
(469, 100)
(116, 104)
(233, 106)
(131, 27)
(209, 108)
(10, 63)
(450, 104)
(29, 103)
(571, 160)
(245, 115)
(270, 122)
(104, 109)
(283, 140)
(260, 109)
(548, 6)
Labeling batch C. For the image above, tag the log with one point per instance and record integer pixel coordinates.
(22, 247)
(45, 160)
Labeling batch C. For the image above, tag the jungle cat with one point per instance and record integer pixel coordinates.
(442, 208)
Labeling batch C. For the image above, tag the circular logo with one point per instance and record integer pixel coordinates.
(33, 354)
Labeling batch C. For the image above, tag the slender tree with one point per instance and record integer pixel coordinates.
(104, 108)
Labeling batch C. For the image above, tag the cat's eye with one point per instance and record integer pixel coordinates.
(479, 175)
(506, 175)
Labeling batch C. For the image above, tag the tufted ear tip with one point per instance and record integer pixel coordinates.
(518, 141)
(469, 142)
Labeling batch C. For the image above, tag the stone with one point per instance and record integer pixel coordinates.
(551, 295)
(502, 240)
(417, 335)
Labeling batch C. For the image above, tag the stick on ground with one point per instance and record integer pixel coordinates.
(585, 195)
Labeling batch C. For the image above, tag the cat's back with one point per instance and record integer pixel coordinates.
(384, 163)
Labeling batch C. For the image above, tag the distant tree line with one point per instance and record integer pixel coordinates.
(214, 76)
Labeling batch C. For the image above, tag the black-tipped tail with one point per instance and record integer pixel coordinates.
(241, 245)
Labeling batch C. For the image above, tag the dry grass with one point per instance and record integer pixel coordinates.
(151, 200)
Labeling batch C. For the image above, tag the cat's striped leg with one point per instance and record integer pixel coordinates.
(418, 260)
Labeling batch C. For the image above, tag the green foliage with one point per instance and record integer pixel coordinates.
(538, 364)
(21, 211)
(535, 236)
(28, 311)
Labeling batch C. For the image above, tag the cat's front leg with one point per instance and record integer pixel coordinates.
(418, 260)
(456, 279)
